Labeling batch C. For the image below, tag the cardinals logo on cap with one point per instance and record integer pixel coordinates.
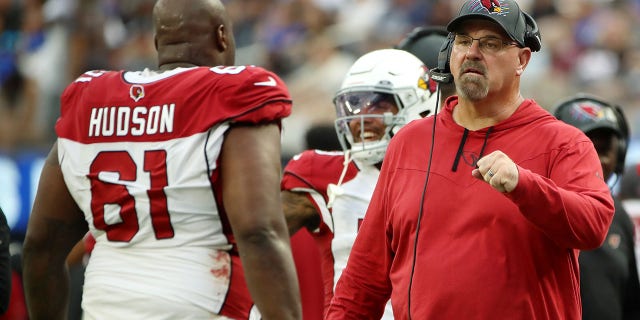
(488, 6)
(492, 5)
(136, 92)
(592, 111)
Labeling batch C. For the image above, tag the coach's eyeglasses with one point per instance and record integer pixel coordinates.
(487, 44)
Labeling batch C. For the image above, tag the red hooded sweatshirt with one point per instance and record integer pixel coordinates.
(479, 253)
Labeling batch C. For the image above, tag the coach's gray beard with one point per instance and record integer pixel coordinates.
(473, 88)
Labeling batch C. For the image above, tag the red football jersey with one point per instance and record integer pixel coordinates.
(139, 153)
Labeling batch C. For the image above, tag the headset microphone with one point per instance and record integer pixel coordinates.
(442, 73)
(440, 77)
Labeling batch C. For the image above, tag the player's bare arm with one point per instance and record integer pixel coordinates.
(299, 211)
(255, 212)
(55, 226)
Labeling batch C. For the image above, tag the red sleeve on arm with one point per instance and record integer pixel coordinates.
(263, 96)
(316, 170)
(364, 286)
(68, 101)
(576, 215)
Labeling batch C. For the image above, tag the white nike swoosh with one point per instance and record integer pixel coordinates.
(270, 83)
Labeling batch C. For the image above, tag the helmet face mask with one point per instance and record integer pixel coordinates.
(365, 150)
(383, 91)
(364, 124)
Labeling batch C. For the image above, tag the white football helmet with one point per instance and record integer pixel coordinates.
(381, 77)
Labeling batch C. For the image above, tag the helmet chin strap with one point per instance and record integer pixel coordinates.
(334, 190)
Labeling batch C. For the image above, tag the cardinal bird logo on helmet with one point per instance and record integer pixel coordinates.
(426, 83)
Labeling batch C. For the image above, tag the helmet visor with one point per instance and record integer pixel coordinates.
(361, 103)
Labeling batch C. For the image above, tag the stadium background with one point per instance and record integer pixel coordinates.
(588, 45)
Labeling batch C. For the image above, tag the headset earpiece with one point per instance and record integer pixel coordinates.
(442, 73)
(532, 38)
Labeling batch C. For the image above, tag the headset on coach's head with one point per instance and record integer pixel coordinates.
(442, 73)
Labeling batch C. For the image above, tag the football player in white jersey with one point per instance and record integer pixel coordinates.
(328, 191)
(175, 173)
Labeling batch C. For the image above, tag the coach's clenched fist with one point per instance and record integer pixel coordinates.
(498, 170)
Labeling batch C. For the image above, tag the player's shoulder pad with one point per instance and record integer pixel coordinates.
(314, 160)
(76, 89)
(248, 90)
(315, 154)
(250, 76)
(313, 169)
(89, 76)
(85, 79)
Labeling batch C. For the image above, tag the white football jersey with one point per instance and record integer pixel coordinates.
(317, 173)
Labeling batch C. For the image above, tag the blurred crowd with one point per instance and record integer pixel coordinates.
(588, 45)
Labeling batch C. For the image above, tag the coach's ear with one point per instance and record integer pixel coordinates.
(524, 58)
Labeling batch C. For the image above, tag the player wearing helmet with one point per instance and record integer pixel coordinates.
(328, 192)
(425, 42)
(609, 284)
(377, 98)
